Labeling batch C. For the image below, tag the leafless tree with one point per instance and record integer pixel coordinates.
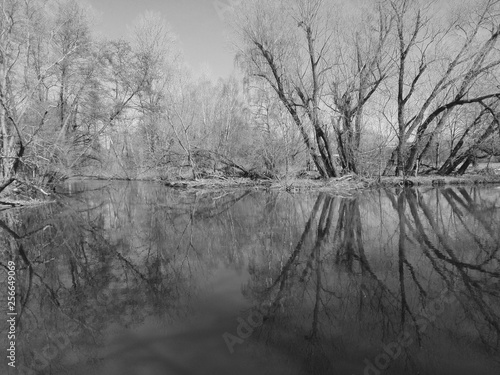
(287, 45)
(444, 60)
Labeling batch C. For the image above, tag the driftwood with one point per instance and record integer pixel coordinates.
(218, 183)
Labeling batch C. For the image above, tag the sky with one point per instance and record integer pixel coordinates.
(198, 24)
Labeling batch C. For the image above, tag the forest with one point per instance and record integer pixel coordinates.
(325, 87)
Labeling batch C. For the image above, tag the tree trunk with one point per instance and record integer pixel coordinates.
(62, 103)
(318, 162)
(453, 161)
(346, 152)
(325, 151)
(391, 162)
(400, 166)
(4, 144)
(4, 147)
(465, 165)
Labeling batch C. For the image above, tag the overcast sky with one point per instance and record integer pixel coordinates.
(198, 25)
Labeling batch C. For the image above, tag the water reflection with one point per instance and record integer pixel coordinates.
(133, 278)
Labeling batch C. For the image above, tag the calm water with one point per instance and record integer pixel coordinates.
(136, 278)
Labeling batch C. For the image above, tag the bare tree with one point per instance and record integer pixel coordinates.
(158, 55)
(481, 130)
(287, 45)
(441, 64)
(362, 64)
(182, 117)
(21, 118)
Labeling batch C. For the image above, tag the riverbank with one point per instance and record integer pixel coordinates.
(346, 185)
(436, 180)
(343, 184)
(9, 202)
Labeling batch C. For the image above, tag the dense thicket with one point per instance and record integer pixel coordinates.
(392, 86)
(73, 103)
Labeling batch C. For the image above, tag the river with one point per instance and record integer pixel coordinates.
(137, 278)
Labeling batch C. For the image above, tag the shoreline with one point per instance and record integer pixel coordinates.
(348, 182)
(346, 185)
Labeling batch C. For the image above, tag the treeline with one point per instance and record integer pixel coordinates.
(72, 103)
(393, 86)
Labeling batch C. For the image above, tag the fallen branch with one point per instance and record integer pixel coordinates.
(30, 185)
(10, 204)
(347, 177)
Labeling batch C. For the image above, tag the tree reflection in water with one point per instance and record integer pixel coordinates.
(138, 279)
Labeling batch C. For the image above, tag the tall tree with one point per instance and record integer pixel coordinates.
(287, 45)
(362, 64)
(445, 59)
(27, 71)
(158, 55)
